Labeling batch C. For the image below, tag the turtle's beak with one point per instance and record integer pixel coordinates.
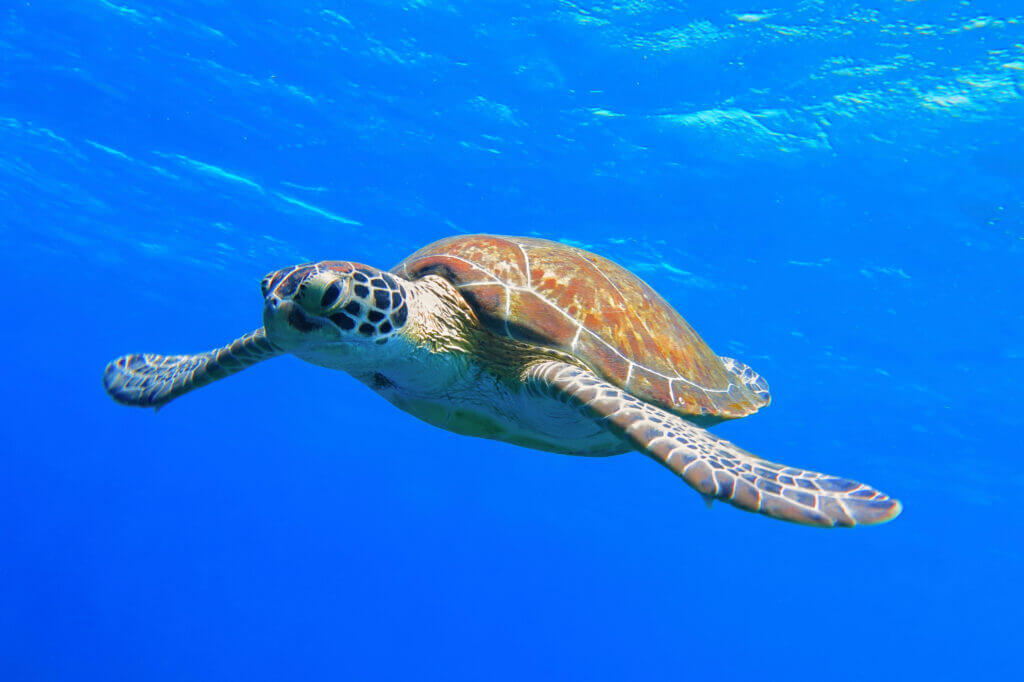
(282, 316)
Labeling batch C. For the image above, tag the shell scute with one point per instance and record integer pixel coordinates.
(562, 297)
(492, 297)
(535, 322)
(614, 365)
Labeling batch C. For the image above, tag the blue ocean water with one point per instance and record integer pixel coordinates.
(828, 191)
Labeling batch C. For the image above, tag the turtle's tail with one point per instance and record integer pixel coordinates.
(151, 380)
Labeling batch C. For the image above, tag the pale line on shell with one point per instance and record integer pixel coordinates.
(497, 280)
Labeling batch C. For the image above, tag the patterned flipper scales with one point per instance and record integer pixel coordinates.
(151, 380)
(751, 379)
(715, 467)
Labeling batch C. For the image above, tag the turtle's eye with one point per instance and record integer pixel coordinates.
(324, 292)
(330, 295)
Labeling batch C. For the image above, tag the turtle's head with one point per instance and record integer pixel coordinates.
(333, 307)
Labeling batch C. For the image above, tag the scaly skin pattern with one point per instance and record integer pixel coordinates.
(348, 296)
(715, 467)
(152, 380)
(561, 297)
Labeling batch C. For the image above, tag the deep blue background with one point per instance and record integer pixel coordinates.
(829, 191)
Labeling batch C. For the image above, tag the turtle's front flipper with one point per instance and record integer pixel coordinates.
(151, 380)
(716, 468)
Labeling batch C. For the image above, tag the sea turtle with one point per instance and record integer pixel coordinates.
(527, 341)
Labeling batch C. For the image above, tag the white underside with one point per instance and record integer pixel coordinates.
(499, 413)
(461, 397)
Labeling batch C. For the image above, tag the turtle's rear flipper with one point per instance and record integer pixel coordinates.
(749, 378)
(151, 380)
(716, 468)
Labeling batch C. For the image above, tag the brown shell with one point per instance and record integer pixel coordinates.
(562, 297)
